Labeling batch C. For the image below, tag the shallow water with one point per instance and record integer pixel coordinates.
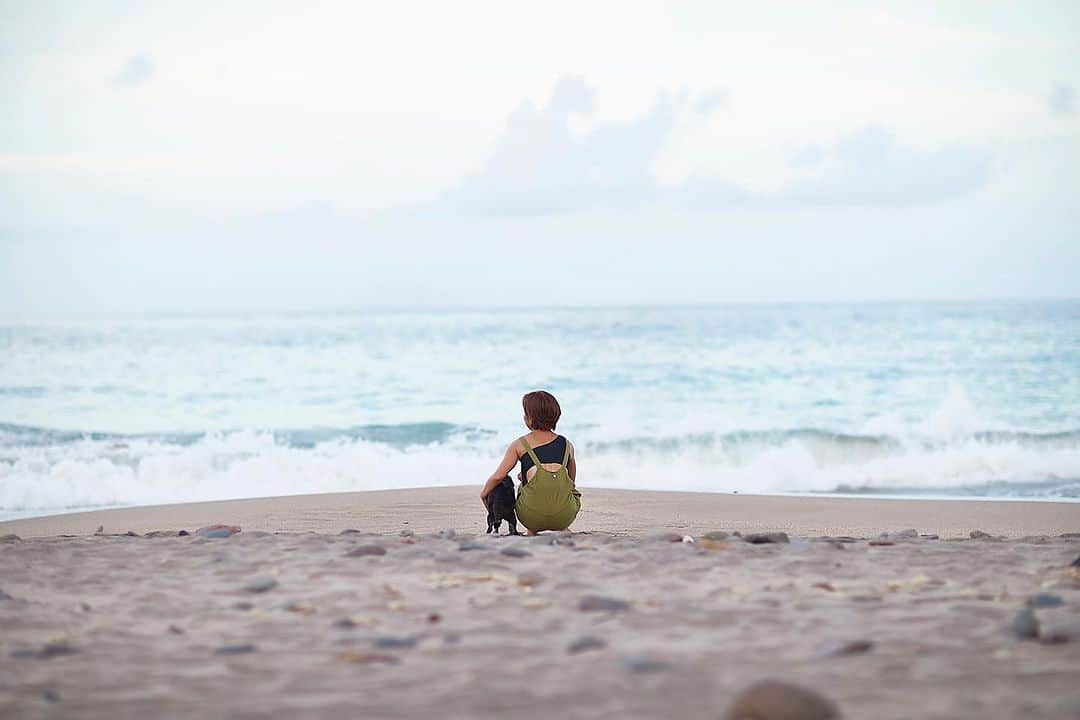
(953, 399)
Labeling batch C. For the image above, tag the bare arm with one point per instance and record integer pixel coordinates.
(571, 467)
(510, 459)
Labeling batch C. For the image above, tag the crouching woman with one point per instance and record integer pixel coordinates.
(548, 498)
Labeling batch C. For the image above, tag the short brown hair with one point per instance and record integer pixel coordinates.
(542, 410)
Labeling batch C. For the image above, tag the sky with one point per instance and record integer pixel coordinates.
(207, 156)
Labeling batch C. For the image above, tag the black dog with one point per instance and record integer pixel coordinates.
(501, 507)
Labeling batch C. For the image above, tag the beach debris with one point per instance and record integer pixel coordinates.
(397, 642)
(218, 531)
(176, 630)
(909, 534)
(600, 603)
(766, 538)
(1025, 625)
(979, 535)
(688, 539)
(235, 649)
(1045, 600)
(844, 647)
(367, 658)
(672, 537)
(530, 579)
(585, 643)
(350, 531)
(162, 533)
(260, 583)
(514, 552)
(775, 700)
(1053, 634)
(715, 535)
(10, 538)
(473, 545)
(366, 550)
(643, 663)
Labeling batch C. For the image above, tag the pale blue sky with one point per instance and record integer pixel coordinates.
(181, 156)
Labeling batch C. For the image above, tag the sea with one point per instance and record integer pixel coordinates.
(934, 399)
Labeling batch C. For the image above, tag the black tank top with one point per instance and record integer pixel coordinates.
(551, 452)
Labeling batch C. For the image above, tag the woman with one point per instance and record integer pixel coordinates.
(548, 498)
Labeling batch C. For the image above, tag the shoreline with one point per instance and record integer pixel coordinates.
(626, 512)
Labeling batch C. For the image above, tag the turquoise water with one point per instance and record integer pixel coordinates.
(953, 399)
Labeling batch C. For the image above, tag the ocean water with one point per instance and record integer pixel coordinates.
(939, 399)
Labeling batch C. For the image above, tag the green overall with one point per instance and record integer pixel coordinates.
(549, 501)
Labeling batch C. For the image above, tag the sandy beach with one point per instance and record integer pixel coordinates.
(392, 605)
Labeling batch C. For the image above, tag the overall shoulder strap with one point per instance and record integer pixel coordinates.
(566, 455)
(529, 450)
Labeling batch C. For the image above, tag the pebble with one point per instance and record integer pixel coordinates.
(10, 538)
(446, 533)
(1025, 625)
(930, 536)
(50, 696)
(671, 537)
(848, 647)
(585, 643)
(214, 533)
(881, 543)
(390, 641)
(182, 533)
(4, 596)
(766, 538)
(161, 533)
(176, 630)
(979, 535)
(1045, 600)
(599, 603)
(244, 605)
(366, 658)
(366, 550)
(47, 651)
(349, 531)
(514, 552)
(642, 663)
(774, 700)
(1060, 633)
(260, 583)
(1076, 562)
(909, 534)
(472, 545)
(406, 533)
(235, 649)
(530, 579)
(716, 535)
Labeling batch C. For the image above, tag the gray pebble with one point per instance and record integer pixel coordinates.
(766, 538)
(389, 641)
(599, 603)
(716, 535)
(514, 552)
(979, 535)
(349, 531)
(848, 647)
(1025, 625)
(671, 537)
(586, 643)
(260, 583)
(182, 533)
(366, 550)
(1045, 600)
(472, 545)
(235, 649)
(773, 700)
(909, 534)
(641, 663)
(406, 533)
(1076, 562)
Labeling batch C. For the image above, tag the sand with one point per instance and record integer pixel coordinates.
(290, 618)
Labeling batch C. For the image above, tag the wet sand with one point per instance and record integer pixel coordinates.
(623, 619)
